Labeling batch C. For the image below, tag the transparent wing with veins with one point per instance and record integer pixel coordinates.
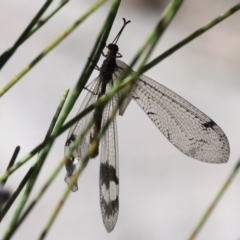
(109, 173)
(73, 162)
(109, 176)
(186, 127)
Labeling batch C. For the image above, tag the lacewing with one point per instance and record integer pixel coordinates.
(186, 127)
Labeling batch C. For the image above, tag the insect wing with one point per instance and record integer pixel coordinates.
(118, 74)
(109, 176)
(186, 127)
(74, 161)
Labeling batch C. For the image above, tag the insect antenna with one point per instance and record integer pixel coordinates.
(119, 34)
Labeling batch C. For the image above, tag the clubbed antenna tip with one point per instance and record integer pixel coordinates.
(119, 34)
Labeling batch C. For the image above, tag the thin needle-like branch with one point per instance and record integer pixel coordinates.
(57, 113)
(103, 100)
(8, 234)
(158, 31)
(4, 196)
(44, 19)
(215, 202)
(15, 194)
(31, 176)
(191, 37)
(51, 138)
(49, 48)
(85, 161)
(90, 65)
(6, 55)
(55, 172)
(11, 162)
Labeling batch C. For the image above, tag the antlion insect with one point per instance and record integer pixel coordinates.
(186, 127)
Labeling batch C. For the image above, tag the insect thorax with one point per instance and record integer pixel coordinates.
(107, 69)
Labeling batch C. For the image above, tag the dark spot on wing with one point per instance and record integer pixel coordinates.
(202, 141)
(209, 124)
(70, 166)
(168, 135)
(70, 140)
(110, 208)
(151, 113)
(135, 97)
(107, 174)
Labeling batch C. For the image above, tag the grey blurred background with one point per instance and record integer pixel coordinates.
(163, 193)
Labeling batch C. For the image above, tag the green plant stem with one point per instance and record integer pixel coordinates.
(15, 194)
(85, 161)
(93, 147)
(148, 46)
(108, 96)
(103, 100)
(31, 30)
(56, 115)
(6, 55)
(100, 102)
(191, 37)
(32, 175)
(49, 48)
(51, 138)
(145, 68)
(91, 63)
(167, 17)
(8, 234)
(62, 201)
(55, 172)
(43, 20)
(215, 202)
(11, 162)
(67, 191)
(81, 83)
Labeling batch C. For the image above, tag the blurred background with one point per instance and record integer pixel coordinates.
(163, 193)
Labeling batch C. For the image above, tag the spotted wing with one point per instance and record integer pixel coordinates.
(119, 72)
(73, 162)
(109, 177)
(186, 127)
